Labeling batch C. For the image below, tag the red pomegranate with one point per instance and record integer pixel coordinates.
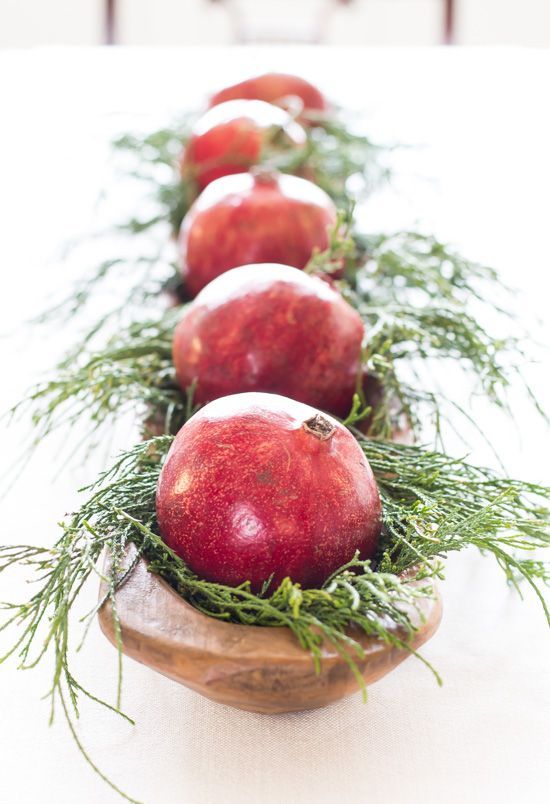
(253, 218)
(232, 137)
(270, 328)
(258, 486)
(275, 88)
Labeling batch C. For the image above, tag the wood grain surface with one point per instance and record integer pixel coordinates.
(247, 667)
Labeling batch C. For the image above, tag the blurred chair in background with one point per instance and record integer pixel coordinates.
(373, 23)
(297, 21)
(260, 21)
(448, 22)
(110, 22)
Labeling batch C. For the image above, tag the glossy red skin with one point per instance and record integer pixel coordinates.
(270, 328)
(274, 88)
(244, 219)
(246, 492)
(234, 136)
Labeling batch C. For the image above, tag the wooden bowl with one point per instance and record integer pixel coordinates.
(244, 666)
(247, 667)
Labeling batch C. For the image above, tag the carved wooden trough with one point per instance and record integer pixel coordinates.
(260, 669)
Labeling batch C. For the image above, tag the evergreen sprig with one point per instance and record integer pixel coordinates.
(425, 305)
(331, 156)
(432, 505)
(132, 374)
(415, 296)
(421, 303)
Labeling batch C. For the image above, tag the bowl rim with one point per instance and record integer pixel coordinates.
(188, 628)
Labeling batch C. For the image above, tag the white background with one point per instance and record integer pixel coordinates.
(481, 121)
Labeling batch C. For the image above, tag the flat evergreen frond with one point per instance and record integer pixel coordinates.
(336, 155)
(329, 160)
(423, 303)
(400, 336)
(134, 372)
(435, 504)
(162, 146)
(432, 505)
(136, 283)
(418, 299)
(332, 156)
(402, 262)
(143, 275)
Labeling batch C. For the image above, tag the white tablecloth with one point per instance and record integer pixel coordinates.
(479, 177)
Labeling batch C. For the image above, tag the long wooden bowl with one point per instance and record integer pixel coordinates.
(247, 667)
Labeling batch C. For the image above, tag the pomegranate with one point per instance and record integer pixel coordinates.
(258, 486)
(270, 328)
(232, 137)
(253, 218)
(275, 88)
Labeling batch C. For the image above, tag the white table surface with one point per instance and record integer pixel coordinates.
(481, 179)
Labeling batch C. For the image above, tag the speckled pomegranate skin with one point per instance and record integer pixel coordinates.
(270, 328)
(247, 492)
(232, 137)
(245, 219)
(273, 88)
